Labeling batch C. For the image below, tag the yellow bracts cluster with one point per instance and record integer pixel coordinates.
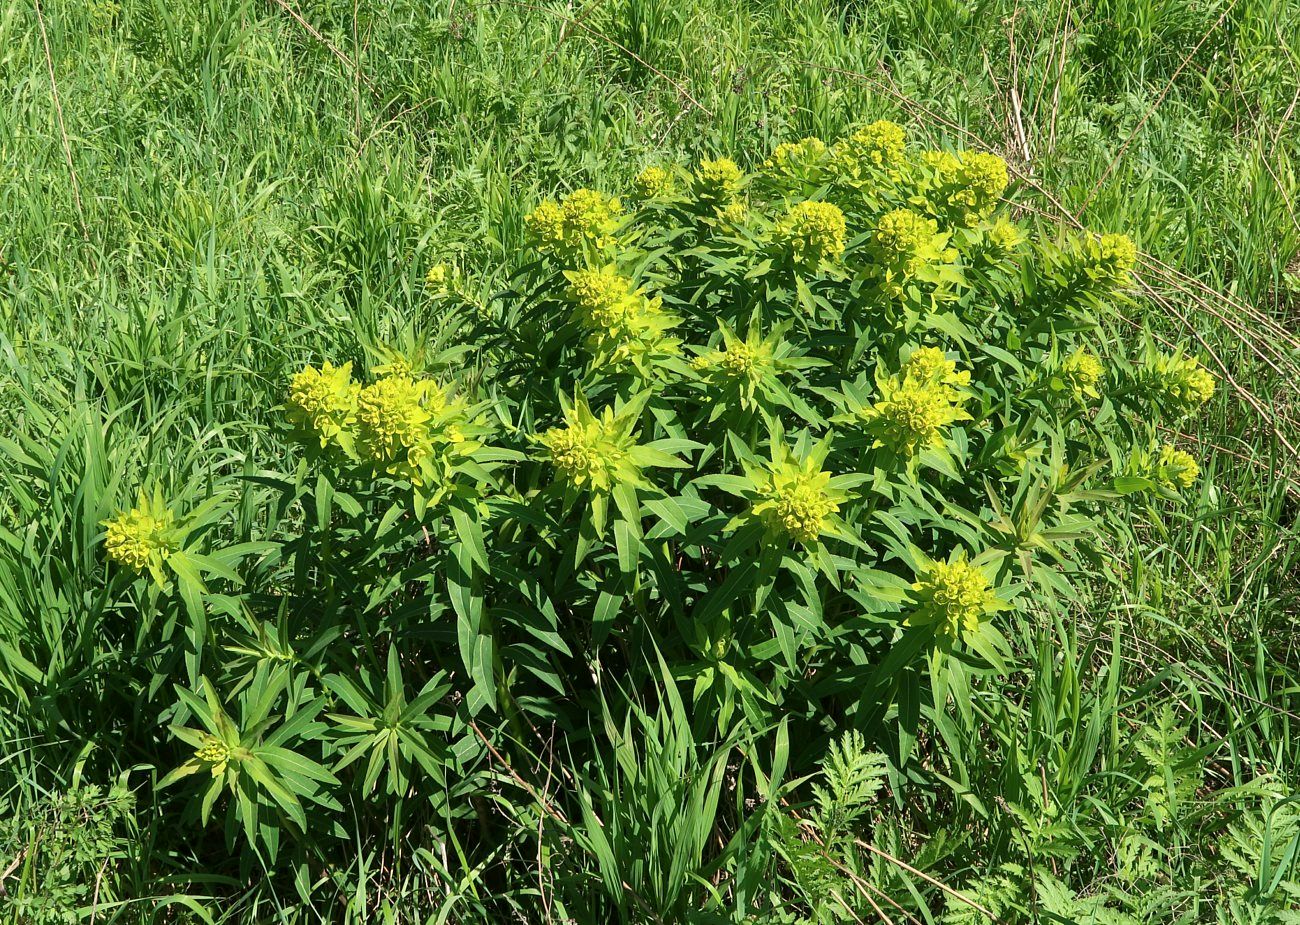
(323, 401)
(917, 406)
(144, 537)
(1176, 468)
(393, 432)
(400, 424)
(621, 321)
(1004, 237)
(795, 498)
(904, 244)
(213, 754)
(599, 452)
(739, 360)
(870, 153)
(584, 221)
(1166, 466)
(963, 188)
(1177, 383)
(717, 182)
(585, 453)
(806, 160)
(811, 232)
(954, 597)
(1080, 374)
(654, 182)
(931, 365)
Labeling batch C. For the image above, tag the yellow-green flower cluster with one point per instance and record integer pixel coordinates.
(944, 167)
(323, 402)
(1179, 384)
(717, 182)
(654, 182)
(620, 320)
(740, 360)
(593, 452)
(1176, 468)
(911, 416)
(1118, 251)
(811, 232)
(603, 297)
(734, 213)
(904, 245)
(1107, 261)
(917, 406)
(872, 151)
(583, 454)
(954, 597)
(400, 424)
(393, 417)
(1004, 236)
(436, 280)
(585, 220)
(143, 537)
(1167, 466)
(743, 364)
(932, 366)
(964, 187)
(213, 754)
(984, 179)
(795, 499)
(805, 160)
(1080, 374)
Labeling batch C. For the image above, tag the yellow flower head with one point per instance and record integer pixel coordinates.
(586, 219)
(621, 321)
(1198, 385)
(604, 298)
(1005, 236)
(583, 455)
(795, 498)
(930, 365)
(1118, 251)
(1081, 372)
(143, 537)
(436, 278)
(741, 366)
(965, 187)
(654, 183)
(799, 160)
(546, 224)
(718, 181)
(214, 754)
(733, 213)
(1179, 384)
(912, 414)
(902, 235)
(953, 596)
(944, 165)
(876, 148)
(741, 359)
(393, 424)
(1108, 261)
(323, 402)
(1176, 468)
(984, 178)
(811, 232)
(903, 246)
(596, 452)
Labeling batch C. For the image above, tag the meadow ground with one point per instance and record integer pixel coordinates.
(199, 197)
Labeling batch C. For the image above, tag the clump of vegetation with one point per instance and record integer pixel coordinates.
(494, 462)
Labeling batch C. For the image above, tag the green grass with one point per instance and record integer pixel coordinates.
(227, 191)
